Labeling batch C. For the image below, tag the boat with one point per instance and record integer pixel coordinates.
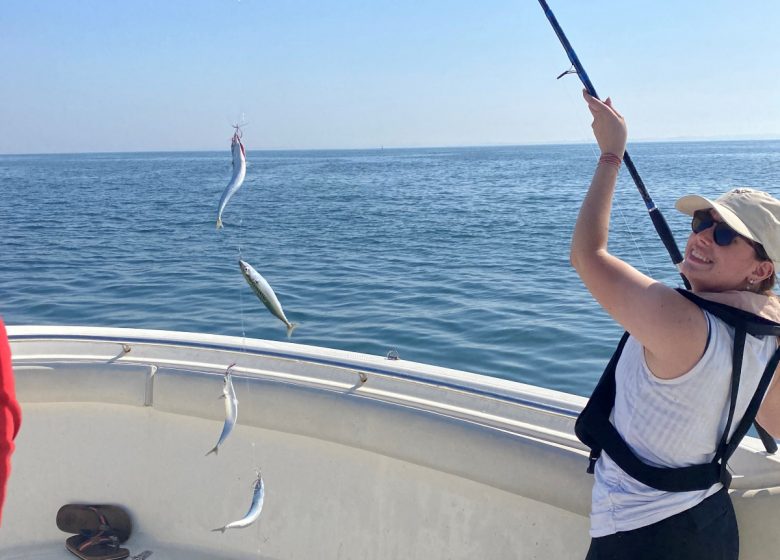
(362, 456)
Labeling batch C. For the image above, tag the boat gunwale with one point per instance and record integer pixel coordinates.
(528, 422)
(482, 385)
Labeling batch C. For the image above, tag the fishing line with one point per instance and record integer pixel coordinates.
(241, 290)
(254, 456)
(589, 141)
(239, 237)
(659, 222)
(626, 226)
(239, 287)
(240, 241)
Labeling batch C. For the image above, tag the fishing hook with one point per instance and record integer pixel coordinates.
(571, 70)
(661, 227)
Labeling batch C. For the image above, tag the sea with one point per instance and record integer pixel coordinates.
(457, 257)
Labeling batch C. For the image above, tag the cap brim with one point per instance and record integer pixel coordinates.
(691, 203)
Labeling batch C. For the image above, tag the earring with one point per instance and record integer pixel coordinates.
(750, 284)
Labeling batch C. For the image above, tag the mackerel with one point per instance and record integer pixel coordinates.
(258, 495)
(263, 290)
(239, 172)
(231, 409)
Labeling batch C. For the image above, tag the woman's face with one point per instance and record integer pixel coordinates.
(714, 268)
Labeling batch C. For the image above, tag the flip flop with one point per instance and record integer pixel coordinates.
(80, 518)
(100, 546)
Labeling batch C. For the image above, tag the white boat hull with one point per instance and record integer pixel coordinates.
(414, 462)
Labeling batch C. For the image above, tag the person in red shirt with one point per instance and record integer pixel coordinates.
(10, 413)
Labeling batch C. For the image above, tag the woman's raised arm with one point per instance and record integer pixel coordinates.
(655, 314)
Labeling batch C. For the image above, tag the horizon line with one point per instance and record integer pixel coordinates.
(766, 138)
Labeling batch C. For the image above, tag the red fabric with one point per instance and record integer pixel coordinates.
(10, 413)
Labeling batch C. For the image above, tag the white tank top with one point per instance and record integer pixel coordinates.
(671, 423)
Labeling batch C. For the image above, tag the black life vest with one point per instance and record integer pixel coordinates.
(594, 429)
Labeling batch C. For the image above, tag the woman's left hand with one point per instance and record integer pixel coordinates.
(609, 126)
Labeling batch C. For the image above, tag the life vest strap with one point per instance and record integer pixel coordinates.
(595, 430)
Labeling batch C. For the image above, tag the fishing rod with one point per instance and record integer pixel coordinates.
(661, 227)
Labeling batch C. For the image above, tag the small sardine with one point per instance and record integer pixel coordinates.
(264, 291)
(231, 409)
(258, 494)
(239, 172)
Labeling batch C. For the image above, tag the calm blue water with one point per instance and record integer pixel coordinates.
(455, 257)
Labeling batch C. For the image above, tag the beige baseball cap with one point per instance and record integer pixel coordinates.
(754, 214)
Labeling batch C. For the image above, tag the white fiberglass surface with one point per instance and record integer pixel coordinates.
(323, 500)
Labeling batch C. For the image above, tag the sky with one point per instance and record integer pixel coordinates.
(169, 75)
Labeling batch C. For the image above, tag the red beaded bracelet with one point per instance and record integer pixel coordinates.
(611, 159)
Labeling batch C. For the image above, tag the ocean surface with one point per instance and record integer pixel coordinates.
(451, 256)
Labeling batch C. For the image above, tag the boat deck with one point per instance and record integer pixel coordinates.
(337, 500)
(362, 457)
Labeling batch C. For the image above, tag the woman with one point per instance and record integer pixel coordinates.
(672, 381)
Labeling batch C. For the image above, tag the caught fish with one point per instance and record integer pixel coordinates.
(231, 409)
(258, 494)
(266, 294)
(239, 172)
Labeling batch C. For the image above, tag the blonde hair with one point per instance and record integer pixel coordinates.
(767, 284)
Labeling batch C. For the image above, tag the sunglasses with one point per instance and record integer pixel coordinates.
(723, 235)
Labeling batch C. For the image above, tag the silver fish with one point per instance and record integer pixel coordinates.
(231, 409)
(239, 172)
(264, 291)
(258, 494)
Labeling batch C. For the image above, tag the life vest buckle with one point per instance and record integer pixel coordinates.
(594, 456)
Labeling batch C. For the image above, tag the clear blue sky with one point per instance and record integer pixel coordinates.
(133, 75)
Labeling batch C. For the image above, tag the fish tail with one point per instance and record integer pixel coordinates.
(219, 223)
(220, 529)
(215, 451)
(291, 328)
